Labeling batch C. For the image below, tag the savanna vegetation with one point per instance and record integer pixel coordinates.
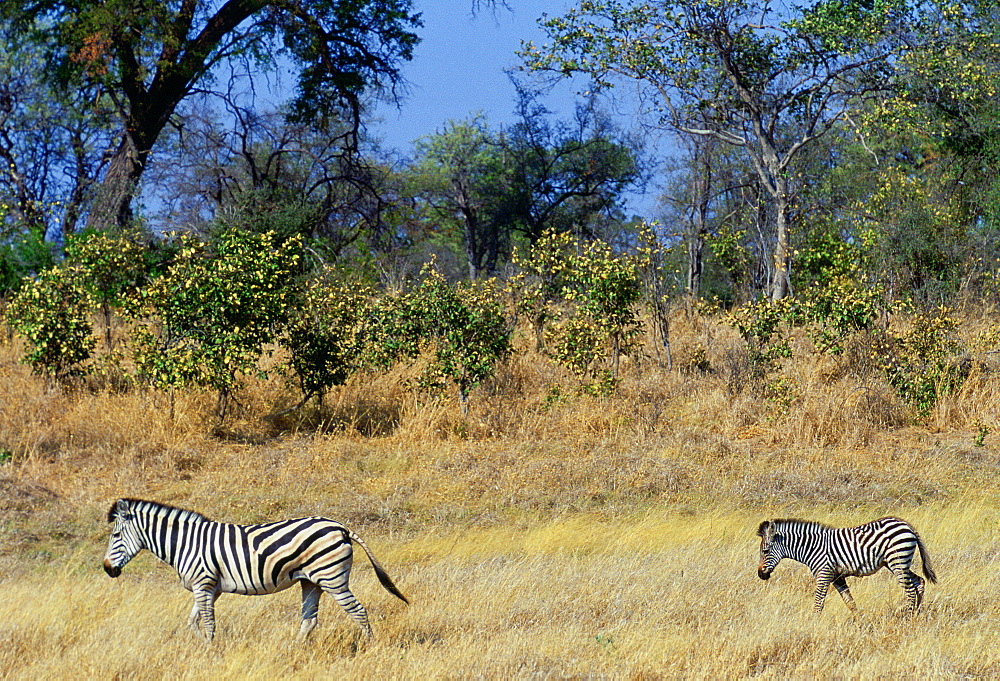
(558, 426)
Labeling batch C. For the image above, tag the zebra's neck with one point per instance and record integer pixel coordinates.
(804, 540)
(165, 529)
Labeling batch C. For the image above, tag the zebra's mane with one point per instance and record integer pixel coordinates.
(155, 508)
(800, 523)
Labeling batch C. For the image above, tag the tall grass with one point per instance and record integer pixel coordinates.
(551, 533)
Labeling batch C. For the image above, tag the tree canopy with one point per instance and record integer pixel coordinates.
(147, 57)
(749, 73)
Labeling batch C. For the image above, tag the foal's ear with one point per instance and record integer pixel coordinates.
(762, 530)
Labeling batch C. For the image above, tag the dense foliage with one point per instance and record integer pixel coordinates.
(835, 169)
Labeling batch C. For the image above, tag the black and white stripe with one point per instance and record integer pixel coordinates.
(834, 554)
(213, 558)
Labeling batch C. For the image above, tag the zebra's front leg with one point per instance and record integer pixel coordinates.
(310, 608)
(841, 585)
(204, 610)
(823, 580)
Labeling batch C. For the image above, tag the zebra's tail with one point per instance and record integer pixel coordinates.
(926, 560)
(383, 576)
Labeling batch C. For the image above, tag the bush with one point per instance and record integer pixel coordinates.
(460, 328)
(208, 318)
(52, 312)
(324, 334)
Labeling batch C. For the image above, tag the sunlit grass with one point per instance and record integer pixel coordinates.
(657, 594)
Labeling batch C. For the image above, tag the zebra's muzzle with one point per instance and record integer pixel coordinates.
(111, 569)
(763, 574)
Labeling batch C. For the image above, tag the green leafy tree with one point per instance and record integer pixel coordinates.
(324, 334)
(745, 72)
(936, 201)
(460, 329)
(923, 361)
(565, 176)
(608, 290)
(536, 175)
(52, 312)
(580, 299)
(460, 173)
(23, 256)
(150, 56)
(111, 268)
(209, 318)
(546, 274)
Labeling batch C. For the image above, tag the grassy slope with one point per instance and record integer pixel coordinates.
(585, 537)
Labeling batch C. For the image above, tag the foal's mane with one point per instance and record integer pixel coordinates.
(791, 521)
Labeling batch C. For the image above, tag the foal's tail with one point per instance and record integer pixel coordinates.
(925, 559)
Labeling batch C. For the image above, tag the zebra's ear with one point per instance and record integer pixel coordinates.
(118, 510)
(762, 530)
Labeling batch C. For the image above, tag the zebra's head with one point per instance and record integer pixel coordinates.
(125, 539)
(771, 548)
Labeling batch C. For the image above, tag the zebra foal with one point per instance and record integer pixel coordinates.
(213, 558)
(834, 554)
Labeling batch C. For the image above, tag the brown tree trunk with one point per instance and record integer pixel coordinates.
(112, 206)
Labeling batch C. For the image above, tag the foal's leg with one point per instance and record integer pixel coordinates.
(841, 585)
(913, 587)
(823, 580)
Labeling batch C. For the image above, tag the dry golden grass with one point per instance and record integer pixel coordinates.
(544, 536)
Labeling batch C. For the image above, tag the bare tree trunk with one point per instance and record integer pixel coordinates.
(696, 258)
(700, 198)
(781, 282)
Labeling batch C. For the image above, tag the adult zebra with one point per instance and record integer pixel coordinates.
(835, 554)
(213, 558)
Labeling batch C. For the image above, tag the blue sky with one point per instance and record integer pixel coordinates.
(458, 69)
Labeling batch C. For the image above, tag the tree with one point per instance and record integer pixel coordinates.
(111, 269)
(150, 56)
(534, 176)
(460, 329)
(741, 71)
(943, 127)
(52, 313)
(324, 335)
(264, 172)
(460, 173)
(564, 175)
(53, 142)
(208, 319)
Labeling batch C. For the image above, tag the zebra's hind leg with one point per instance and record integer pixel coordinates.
(841, 585)
(310, 607)
(913, 586)
(195, 617)
(351, 605)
